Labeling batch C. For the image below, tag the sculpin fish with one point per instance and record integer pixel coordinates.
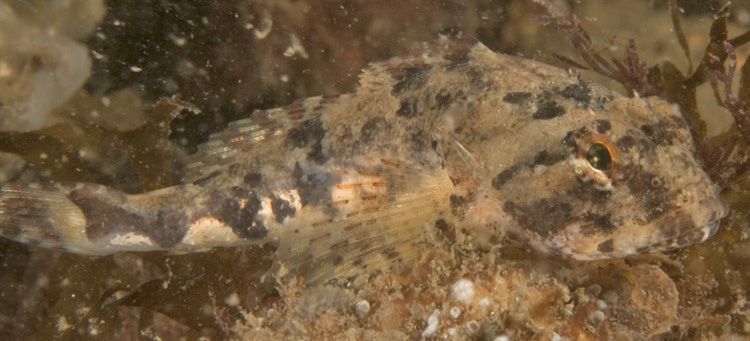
(457, 135)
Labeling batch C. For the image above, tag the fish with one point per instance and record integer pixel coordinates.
(455, 136)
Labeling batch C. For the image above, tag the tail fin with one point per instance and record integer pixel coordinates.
(74, 217)
(42, 215)
(93, 219)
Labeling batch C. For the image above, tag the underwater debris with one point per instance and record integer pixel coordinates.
(463, 291)
(40, 68)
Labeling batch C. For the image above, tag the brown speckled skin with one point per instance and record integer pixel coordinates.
(458, 135)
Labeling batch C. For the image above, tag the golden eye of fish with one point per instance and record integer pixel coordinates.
(599, 157)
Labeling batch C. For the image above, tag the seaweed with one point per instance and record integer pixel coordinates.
(630, 71)
(725, 157)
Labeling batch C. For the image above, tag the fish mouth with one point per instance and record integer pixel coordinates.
(688, 238)
(690, 224)
(710, 229)
(622, 245)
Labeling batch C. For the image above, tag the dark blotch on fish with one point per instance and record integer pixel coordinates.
(584, 191)
(252, 179)
(242, 220)
(504, 177)
(544, 158)
(625, 143)
(309, 133)
(312, 188)
(445, 230)
(372, 128)
(105, 215)
(598, 223)
(606, 246)
(517, 97)
(281, 209)
(603, 126)
(569, 139)
(654, 199)
(458, 205)
(419, 141)
(600, 102)
(660, 133)
(545, 216)
(548, 109)
(316, 153)
(443, 99)
(390, 253)
(171, 226)
(408, 109)
(477, 78)
(579, 92)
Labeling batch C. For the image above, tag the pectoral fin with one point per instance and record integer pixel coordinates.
(380, 217)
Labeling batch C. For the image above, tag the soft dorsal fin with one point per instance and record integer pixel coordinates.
(227, 146)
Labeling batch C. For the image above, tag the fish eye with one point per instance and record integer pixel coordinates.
(599, 157)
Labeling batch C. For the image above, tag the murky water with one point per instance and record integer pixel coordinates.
(119, 92)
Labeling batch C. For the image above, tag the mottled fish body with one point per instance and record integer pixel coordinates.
(458, 135)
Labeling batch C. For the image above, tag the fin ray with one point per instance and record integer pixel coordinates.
(236, 142)
(383, 231)
(42, 214)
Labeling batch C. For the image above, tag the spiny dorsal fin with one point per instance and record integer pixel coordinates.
(398, 73)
